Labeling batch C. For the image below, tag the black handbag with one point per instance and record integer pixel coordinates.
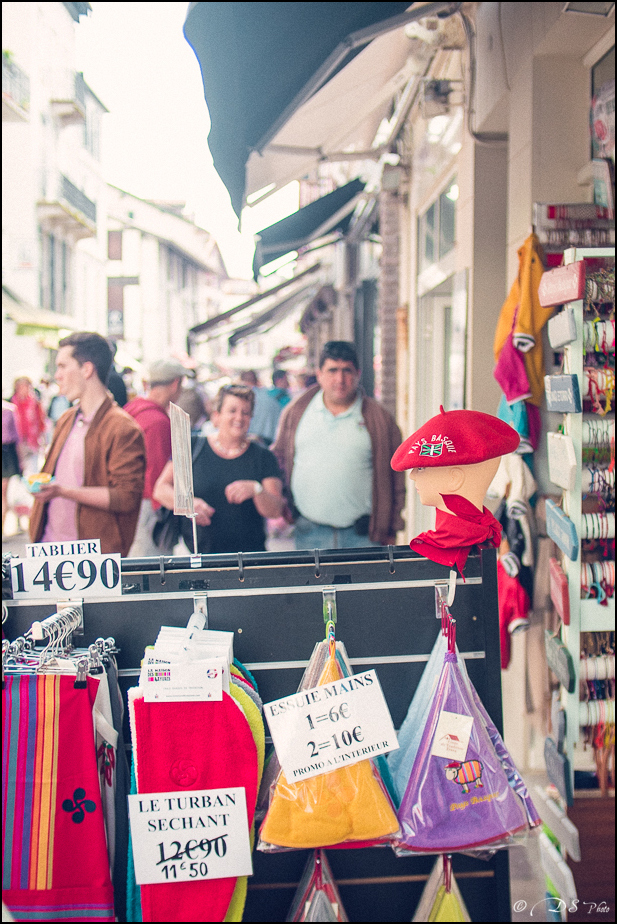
(166, 531)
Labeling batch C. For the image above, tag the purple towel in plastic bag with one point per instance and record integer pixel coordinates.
(452, 805)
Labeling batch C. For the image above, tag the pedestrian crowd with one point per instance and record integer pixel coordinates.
(314, 461)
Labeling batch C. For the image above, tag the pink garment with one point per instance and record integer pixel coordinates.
(62, 513)
(30, 420)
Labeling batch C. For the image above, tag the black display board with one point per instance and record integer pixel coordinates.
(385, 600)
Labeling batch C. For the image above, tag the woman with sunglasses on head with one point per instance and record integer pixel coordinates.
(236, 481)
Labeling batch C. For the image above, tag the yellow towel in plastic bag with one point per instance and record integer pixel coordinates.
(347, 804)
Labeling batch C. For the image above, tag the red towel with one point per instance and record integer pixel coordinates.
(192, 746)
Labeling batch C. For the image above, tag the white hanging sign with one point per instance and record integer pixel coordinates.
(90, 575)
(188, 836)
(166, 680)
(331, 726)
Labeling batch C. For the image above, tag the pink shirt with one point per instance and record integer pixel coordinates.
(69, 471)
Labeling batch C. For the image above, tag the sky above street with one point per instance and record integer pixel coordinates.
(135, 58)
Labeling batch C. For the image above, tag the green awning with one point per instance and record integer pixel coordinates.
(261, 61)
(48, 326)
(323, 216)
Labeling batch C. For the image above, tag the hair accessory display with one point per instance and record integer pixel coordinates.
(599, 386)
(598, 526)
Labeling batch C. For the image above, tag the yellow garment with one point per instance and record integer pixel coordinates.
(235, 911)
(347, 804)
(531, 316)
(446, 907)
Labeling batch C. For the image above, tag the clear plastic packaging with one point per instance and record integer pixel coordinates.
(349, 805)
(401, 762)
(441, 898)
(457, 804)
(317, 897)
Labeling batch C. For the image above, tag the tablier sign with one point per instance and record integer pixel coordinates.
(73, 547)
(89, 575)
(184, 836)
(331, 726)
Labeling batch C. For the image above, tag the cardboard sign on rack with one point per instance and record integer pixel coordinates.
(563, 394)
(560, 593)
(558, 770)
(561, 460)
(560, 661)
(562, 284)
(562, 328)
(562, 530)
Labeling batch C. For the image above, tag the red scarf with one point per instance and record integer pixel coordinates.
(454, 536)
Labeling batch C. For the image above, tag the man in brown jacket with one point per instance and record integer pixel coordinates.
(334, 446)
(97, 456)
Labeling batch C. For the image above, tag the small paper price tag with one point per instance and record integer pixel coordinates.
(334, 725)
(184, 836)
(452, 735)
(165, 681)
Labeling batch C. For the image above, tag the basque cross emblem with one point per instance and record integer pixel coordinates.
(431, 449)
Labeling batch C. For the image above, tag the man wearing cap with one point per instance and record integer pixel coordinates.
(334, 445)
(152, 414)
(453, 459)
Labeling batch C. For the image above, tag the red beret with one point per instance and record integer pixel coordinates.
(456, 438)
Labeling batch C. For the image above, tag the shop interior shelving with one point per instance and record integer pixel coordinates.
(585, 615)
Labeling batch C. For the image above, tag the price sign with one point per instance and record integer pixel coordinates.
(84, 576)
(335, 725)
(184, 836)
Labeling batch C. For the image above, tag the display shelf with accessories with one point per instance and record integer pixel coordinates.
(581, 463)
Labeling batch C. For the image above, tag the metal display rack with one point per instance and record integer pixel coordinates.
(385, 601)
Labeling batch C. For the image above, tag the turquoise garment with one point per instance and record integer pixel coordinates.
(401, 762)
(133, 895)
(246, 673)
(515, 415)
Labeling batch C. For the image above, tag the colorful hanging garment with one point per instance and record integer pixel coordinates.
(317, 897)
(523, 315)
(54, 852)
(441, 898)
(412, 729)
(462, 803)
(180, 746)
(347, 804)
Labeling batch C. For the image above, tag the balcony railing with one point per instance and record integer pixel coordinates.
(68, 101)
(15, 92)
(77, 199)
(64, 207)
